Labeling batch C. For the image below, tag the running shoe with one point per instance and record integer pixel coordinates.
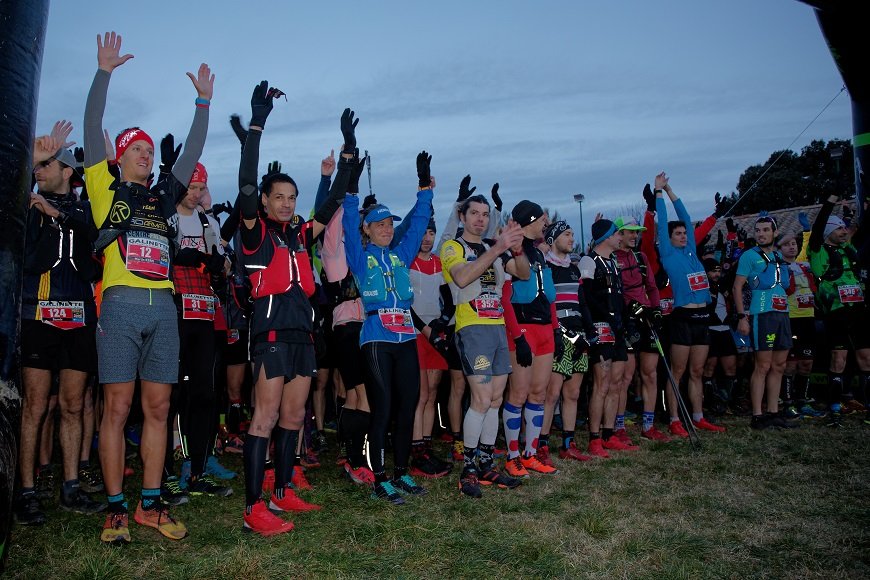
(116, 529)
(234, 445)
(298, 481)
(45, 483)
(342, 455)
(573, 453)
(206, 485)
(319, 442)
(835, 420)
(291, 503)
(406, 484)
(27, 510)
(259, 520)
(791, 412)
(269, 480)
(807, 410)
(158, 518)
(438, 462)
(309, 459)
(215, 469)
(677, 430)
(853, 406)
(514, 467)
(458, 450)
(90, 479)
(385, 490)
(424, 466)
(499, 453)
(706, 425)
(360, 475)
(493, 477)
(172, 493)
(616, 445)
(596, 448)
(781, 423)
(543, 455)
(532, 463)
(446, 437)
(622, 435)
(79, 502)
(760, 422)
(128, 471)
(469, 484)
(654, 434)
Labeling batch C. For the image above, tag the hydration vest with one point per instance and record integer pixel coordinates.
(377, 284)
(145, 214)
(780, 266)
(835, 262)
(56, 244)
(540, 281)
(276, 268)
(475, 288)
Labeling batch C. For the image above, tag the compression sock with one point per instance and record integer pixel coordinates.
(787, 389)
(649, 418)
(490, 427)
(254, 457)
(802, 387)
(620, 423)
(534, 419)
(512, 419)
(285, 451)
(472, 427)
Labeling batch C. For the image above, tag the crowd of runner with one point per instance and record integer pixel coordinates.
(153, 325)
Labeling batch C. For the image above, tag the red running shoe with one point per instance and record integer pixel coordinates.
(654, 434)
(596, 448)
(677, 430)
(532, 463)
(615, 444)
(291, 503)
(264, 522)
(622, 435)
(706, 425)
(573, 453)
(544, 455)
(298, 481)
(360, 475)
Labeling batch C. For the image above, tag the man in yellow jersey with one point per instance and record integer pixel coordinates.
(137, 333)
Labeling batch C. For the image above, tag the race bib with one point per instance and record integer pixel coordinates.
(148, 255)
(667, 305)
(63, 315)
(605, 333)
(698, 281)
(232, 336)
(850, 294)
(779, 303)
(488, 306)
(197, 307)
(396, 320)
(806, 301)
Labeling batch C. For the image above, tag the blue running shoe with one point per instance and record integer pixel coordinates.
(808, 410)
(213, 467)
(385, 490)
(406, 484)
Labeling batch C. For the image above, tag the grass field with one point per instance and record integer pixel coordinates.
(750, 504)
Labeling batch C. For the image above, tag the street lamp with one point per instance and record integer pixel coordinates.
(579, 197)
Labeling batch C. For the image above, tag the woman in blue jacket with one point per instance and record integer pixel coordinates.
(388, 339)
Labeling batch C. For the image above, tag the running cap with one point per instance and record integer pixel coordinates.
(380, 212)
(628, 223)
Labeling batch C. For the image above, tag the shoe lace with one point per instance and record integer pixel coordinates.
(408, 481)
(388, 488)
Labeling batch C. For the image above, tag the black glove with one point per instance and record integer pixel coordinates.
(464, 192)
(348, 129)
(438, 340)
(356, 169)
(720, 239)
(241, 133)
(369, 201)
(219, 208)
(653, 315)
(730, 226)
(190, 257)
(271, 169)
(496, 198)
(79, 154)
(523, 352)
(558, 344)
(650, 198)
(635, 309)
(261, 104)
(214, 262)
(439, 325)
(719, 210)
(423, 171)
(168, 153)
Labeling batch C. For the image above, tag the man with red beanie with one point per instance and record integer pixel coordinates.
(137, 332)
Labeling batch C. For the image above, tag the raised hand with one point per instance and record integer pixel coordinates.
(650, 198)
(241, 132)
(804, 220)
(464, 191)
(496, 198)
(168, 153)
(261, 105)
(369, 201)
(203, 82)
(662, 181)
(109, 52)
(44, 148)
(424, 161)
(357, 167)
(327, 165)
(348, 130)
(61, 131)
(271, 169)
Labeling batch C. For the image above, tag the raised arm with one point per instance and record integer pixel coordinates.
(817, 234)
(495, 216)
(203, 82)
(108, 59)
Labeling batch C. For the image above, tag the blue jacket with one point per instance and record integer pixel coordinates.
(359, 260)
(687, 275)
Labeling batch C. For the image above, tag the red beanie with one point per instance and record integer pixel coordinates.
(127, 137)
(200, 175)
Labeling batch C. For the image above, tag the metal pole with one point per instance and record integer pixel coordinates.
(22, 33)
(579, 198)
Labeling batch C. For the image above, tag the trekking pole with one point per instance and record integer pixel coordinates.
(681, 404)
(369, 170)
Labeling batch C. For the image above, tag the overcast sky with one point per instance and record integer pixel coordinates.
(548, 98)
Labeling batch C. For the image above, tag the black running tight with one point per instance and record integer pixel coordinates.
(392, 392)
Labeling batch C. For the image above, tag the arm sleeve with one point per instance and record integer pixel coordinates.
(322, 191)
(585, 314)
(248, 176)
(648, 240)
(705, 227)
(494, 222)
(419, 219)
(352, 241)
(336, 192)
(449, 232)
(510, 317)
(95, 145)
(817, 233)
(418, 322)
(332, 252)
(448, 308)
(662, 227)
(231, 224)
(193, 146)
